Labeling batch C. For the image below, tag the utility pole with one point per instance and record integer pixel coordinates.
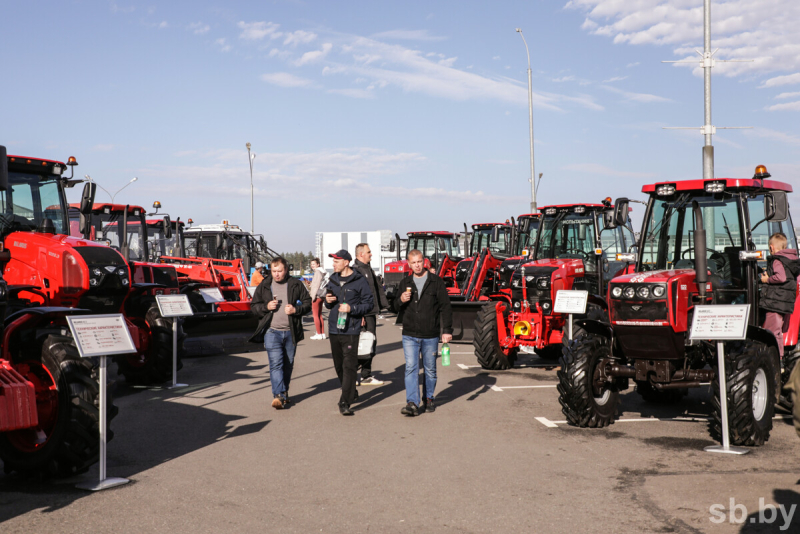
(250, 158)
(530, 122)
(708, 63)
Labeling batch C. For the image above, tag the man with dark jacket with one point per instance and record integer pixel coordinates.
(280, 302)
(363, 257)
(349, 295)
(424, 310)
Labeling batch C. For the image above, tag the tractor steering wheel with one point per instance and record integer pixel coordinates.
(683, 256)
(577, 251)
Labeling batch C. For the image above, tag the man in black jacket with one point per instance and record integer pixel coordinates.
(349, 295)
(424, 310)
(363, 257)
(280, 302)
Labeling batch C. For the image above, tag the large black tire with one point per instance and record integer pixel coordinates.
(155, 365)
(487, 345)
(580, 403)
(550, 352)
(789, 361)
(655, 396)
(66, 441)
(751, 368)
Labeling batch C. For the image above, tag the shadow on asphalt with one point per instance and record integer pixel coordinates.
(783, 519)
(151, 429)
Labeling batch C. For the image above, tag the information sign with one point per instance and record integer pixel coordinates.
(720, 322)
(174, 305)
(571, 301)
(251, 290)
(101, 335)
(212, 295)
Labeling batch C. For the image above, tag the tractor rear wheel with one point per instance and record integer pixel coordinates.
(750, 379)
(67, 439)
(155, 365)
(655, 396)
(789, 361)
(487, 344)
(550, 352)
(581, 402)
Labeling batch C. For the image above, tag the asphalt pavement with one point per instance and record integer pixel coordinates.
(496, 456)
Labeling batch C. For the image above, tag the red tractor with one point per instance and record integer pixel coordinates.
(573, 250)
(702, 242)
(124, 228)
(483, 236)
(49, 403)
(436, 247)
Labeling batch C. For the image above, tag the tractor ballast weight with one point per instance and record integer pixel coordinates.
(698, 245)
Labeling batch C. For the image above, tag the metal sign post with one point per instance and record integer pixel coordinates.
(102, 336)
(721, 323)
(571, 302)
(174, 306)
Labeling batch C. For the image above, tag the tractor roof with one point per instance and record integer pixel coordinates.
(37, 165)
(483, 226)
(549, 210)
(431, 234)
(210, 228)
(154, 222)
(530, 216)
(101, 207)
(730, 183)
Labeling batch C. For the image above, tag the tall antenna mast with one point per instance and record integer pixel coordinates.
(708, 63)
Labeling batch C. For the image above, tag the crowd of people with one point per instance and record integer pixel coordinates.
(354, 297)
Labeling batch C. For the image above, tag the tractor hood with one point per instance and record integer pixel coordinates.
(664, 276)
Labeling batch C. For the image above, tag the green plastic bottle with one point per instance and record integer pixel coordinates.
(341, 319)
(445, 354)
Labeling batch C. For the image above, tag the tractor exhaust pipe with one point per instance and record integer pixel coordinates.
(397, 245)
(467, 250)
(125, 249)
(513, 236)
(700, 260)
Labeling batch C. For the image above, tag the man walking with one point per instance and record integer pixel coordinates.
(363, 257)
(280, 302)
(423, 309)
(348, 294)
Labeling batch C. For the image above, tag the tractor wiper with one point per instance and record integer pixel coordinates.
(680, 203)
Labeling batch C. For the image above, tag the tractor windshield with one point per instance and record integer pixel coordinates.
(526, 239)
(29, 200)
(428, 247)
(108, 228)
(482, 238)
(567, 235)
(158, 244)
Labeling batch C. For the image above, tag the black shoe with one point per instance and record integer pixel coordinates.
(430, 406)
(344, 409)
(355, 397)
(410, 409)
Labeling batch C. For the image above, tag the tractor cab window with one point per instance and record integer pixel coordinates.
(761, 229)
(568, 235)
(158, 244)
(613, 241)
(29, 200)
(108, 226)
(427, 245)
(527, 240)
(482, 238)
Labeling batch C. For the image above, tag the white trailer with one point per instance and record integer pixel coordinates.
(379, 242)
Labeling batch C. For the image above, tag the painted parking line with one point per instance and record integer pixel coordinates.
(462, 366)
(553, 424)
(503, 388)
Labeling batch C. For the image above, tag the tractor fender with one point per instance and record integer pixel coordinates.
(598, 301)
(761, 335)
(45, 312)
(593, 326)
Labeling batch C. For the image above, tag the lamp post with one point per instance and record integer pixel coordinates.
(250, 158)
(530, 122)
(89, 178)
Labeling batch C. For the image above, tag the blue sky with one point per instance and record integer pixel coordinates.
(392, 115)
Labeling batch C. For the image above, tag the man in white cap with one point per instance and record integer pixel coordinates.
(258, 274)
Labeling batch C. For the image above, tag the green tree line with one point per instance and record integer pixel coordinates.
(299, 260)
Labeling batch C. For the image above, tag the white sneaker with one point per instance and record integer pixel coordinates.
(323, 336)
(316, 336)
(371, 381)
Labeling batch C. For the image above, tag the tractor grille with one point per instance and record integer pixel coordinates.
(392, 280)
(622, 310)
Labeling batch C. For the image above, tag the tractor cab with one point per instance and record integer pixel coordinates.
(527, 230)
(497, 241)
(162, 241)
(435, 247)
(226, 242)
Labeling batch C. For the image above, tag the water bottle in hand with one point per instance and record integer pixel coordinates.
(445, 354)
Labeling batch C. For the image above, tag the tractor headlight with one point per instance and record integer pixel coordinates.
(629, 292)
(665, 190)
(616, 292)
(643, 292)
(122, 271)
(715, 187)
(124, 281)
(97, 272)
(92, 282)
(543, 283)
(659, 291)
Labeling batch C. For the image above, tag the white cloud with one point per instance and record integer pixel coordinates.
(596, 168)
(787, 95)
(447, 62)
(354, 93)
(643, 98)
(631, 65)
(774, 135)
(285, 79)
(496, 58)
(198, 28)
(163, 25)
(314, 55)
(408, 35)
(742, 29)
(299, 37)
(256, 31)
(223, 45)
(564, 79)
(791, 79)
(788, 106)
(615, 79)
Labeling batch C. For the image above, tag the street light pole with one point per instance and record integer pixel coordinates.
(530, 122)
(250, 158)
(89, 178)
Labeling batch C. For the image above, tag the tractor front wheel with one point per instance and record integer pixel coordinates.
(584, 404)
(487, 343)
(750, 372)
(66, 440)
(154, 365)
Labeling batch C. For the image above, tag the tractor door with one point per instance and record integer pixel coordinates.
(613, 241)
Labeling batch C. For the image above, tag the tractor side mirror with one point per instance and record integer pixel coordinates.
(391, 246)
(85, 225)
(495, 234)
(582, 232)
(525, 225)
(87, 198)
(218, 242)
(608, 220)
(621, 212)
(3, 169)
(440, 243)
(455, 242)
(776, 206)
(167, 227)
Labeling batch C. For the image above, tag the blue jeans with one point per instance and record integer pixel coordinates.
(412, 347)
(280, 350)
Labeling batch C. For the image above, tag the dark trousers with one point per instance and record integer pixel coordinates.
(344, 350)
(365, 362)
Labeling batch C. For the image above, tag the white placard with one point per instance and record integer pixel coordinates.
(571, 301)
(723, 321)
(211, 295)
(101, 335)
(252, 290)
(174, 305)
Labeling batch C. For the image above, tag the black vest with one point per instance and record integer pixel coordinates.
(779, 298)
